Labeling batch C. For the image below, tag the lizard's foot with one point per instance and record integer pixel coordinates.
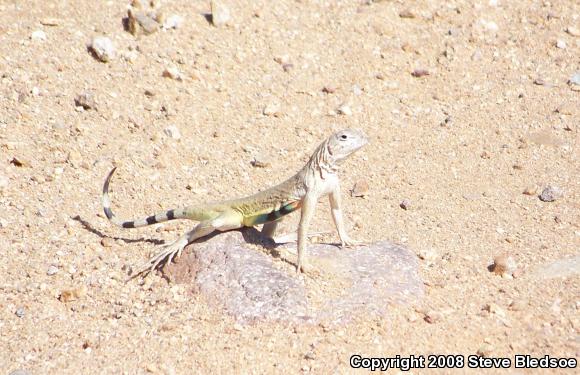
(349, 242)
(166, 256)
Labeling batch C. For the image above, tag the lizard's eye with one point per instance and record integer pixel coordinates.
(343, 136)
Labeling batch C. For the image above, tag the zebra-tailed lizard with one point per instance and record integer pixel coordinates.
(316, 179)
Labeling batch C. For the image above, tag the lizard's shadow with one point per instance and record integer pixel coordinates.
(86, 225)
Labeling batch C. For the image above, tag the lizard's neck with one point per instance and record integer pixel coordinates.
(322, 161)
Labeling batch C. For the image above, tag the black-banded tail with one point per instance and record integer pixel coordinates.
(154, 219)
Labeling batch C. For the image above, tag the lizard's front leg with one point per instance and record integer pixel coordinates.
(306, 213)
(335, 207)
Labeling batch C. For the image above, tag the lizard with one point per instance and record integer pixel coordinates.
(319, 177)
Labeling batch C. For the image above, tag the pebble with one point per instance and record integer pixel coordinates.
(272, 109)
(73, 294)
(173, 22)
(405, 204)
(172, 132)
(573, 30)
(103, 48)
(485, 350)
(504, 265)
(561, 44)
(172, 73)
(360, 189)
(107, 242)
(407, 13)
(551, 193)
(489, 25)
(220, 14)
(38, 35)
(86, 100)
(493, 308)
(329, 89)
(575, 79)
(20, 312)
(260, 162)
(344, 109)
(52, 270)
(432, 317)
(50, 21)
(141, 22)
(420, 73)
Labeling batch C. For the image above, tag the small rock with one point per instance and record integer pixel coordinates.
(38, 36)
(504, 265)
(489, 26)
(172, 73)
(485, 350)
(344, 109)
(493, 308)
(103, 48)
(531, 190)
(329, 89)
(107, 242)
(432, 317)
(407, 13)
(405, 204)
(73, 294)
(420, 73)
(50, 21)
(272, 109)
(52, 270)
(560, 44)
(259, 162)
(575, 79)
(310, 356)
(86, 100)
(360, 189)
(573, 30)
(139, 22)
(220, 14)
(173, 22)
(172, 132)
(551, 193)
(282, 59)
(20, 312)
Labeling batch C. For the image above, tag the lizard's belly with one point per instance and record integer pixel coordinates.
(272, 215)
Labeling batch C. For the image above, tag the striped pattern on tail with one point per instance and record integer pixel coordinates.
(153, 219)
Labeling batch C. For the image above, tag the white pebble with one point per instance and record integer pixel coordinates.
(561, 44)
(173, 22)
(103, 48)
(172, 132)
(173, 73)
(344, 109)
(38, 35)
(220, 14)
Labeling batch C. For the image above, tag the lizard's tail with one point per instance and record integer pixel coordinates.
(154, 219)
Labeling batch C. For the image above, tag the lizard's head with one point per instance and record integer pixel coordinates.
(343, 143)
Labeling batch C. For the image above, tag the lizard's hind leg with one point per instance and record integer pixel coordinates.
(225, 221)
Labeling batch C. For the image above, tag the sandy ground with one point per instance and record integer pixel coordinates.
(494, 117)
